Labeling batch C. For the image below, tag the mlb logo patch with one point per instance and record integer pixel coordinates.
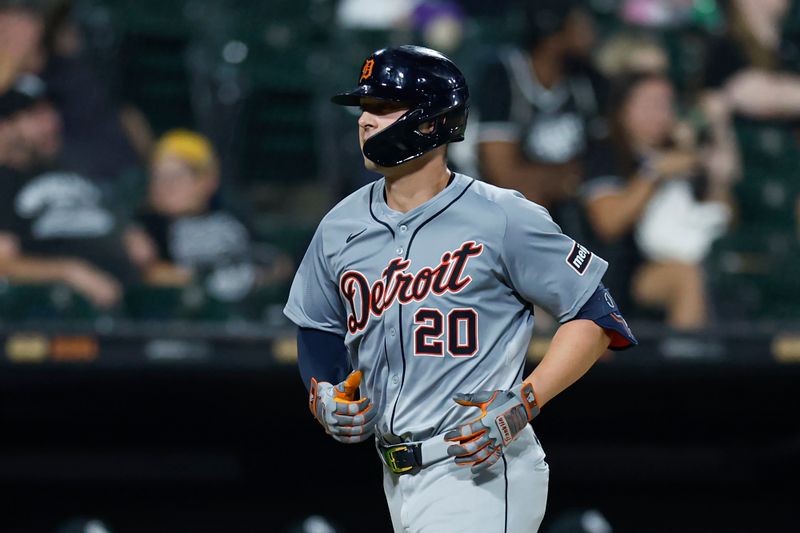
(579, 258)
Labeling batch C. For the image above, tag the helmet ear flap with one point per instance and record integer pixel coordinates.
(428, 128)
(436, 126)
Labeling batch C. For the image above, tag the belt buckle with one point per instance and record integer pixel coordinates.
(391, 462)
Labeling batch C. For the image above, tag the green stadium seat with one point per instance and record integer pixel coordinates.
(194, 303)
(154, 17)
(771, 166)
(279, 136)
(156, 303)
(751, 273)
(21, 303)
(292, 235)
(155, 77)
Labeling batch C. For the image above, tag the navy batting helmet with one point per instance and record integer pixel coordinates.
(430, 84)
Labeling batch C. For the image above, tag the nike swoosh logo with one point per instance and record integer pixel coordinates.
(354, 235)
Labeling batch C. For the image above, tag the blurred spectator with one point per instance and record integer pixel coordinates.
(625, 52)
(440, 24)
(538, 107)
(21, 31)
(365, 14)
(101, 138)
(14, 153)
(652, 206)
(55, 225)
(748, 78)
(657, 13)
(745, 65)
(180, 235)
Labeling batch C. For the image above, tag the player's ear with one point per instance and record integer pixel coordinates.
(427, 127)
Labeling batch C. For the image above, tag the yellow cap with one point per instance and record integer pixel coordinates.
(191, 147)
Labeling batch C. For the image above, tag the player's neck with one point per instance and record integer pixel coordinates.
(411, 189)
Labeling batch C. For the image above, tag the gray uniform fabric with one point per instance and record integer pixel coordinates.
(438, 300)
(447, 498)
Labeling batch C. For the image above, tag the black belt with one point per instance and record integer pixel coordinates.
(402, 458)
(410, 457)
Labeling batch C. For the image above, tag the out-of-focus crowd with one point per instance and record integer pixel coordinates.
(649, 167)
(643, 166)
(643, 170)
(67, 151)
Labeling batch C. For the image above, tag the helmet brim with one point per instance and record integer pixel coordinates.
(353, 98)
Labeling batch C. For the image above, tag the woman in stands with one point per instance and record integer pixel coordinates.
(650, 206)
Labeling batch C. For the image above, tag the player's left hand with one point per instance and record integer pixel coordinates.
(504, 414)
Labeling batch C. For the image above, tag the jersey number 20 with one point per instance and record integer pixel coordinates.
(461, 333)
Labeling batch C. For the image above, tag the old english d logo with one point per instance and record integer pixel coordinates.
(366, 70)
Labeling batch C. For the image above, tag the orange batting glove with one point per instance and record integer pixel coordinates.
(344, 418)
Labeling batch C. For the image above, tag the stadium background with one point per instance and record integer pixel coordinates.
(160, 415)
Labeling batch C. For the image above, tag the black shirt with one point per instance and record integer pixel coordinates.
(55, 213)
(724, 59)
(604, 175)
(551, 125)
(214, 245)
(95, 143)
(769, 147)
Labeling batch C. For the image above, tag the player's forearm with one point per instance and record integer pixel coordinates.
(576, 346)
(321, 355)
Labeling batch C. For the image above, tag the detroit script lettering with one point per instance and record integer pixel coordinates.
(396, 284)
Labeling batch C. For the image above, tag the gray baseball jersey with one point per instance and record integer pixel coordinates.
(438, 300)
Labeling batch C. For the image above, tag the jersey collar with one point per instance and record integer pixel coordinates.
(421, 212)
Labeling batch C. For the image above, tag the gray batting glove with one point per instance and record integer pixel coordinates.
(504, 414)
(344, 418)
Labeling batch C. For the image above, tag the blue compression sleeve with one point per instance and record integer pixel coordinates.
(601, 309)
(321, 355)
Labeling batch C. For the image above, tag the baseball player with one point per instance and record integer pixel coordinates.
(414, 305)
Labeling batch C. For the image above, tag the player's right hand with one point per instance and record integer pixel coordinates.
(344, 418)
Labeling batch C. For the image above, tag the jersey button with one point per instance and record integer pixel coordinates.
(395, 380)
(399, 251)
(392, 332)
(403, 227)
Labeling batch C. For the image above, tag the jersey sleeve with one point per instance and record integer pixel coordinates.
(314, 296)
(544, 266)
